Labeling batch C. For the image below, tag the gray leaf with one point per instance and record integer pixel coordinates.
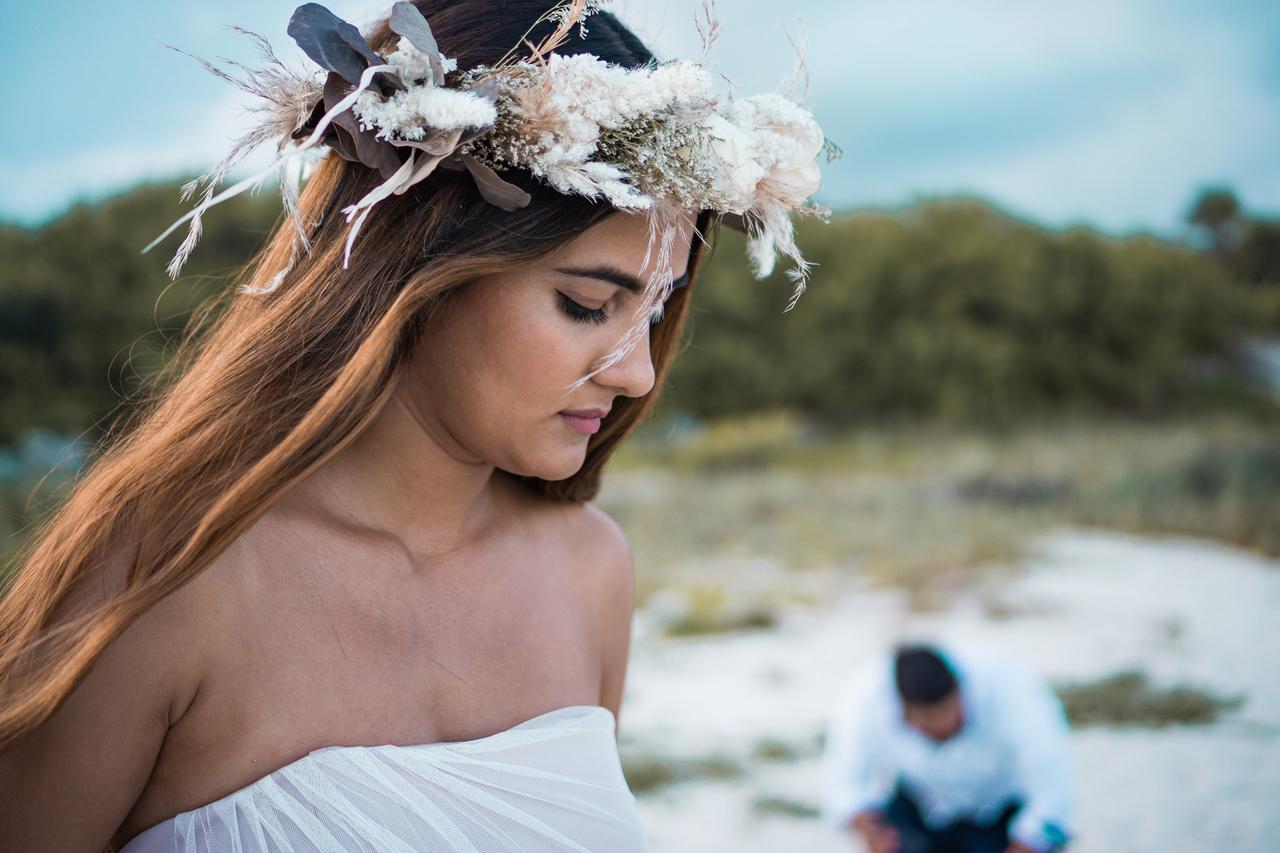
(489, 91)
(339, 140)
(486, 88)
(735, 221)
(356, 144)
(407, 22)
(331, 42)
(492, 188)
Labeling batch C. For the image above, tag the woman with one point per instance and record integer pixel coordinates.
(339, 586)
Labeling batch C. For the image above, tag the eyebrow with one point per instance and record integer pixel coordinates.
(613, 275)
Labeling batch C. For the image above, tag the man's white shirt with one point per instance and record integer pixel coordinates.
(1012, 746)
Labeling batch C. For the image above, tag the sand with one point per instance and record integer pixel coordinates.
(1087, 604)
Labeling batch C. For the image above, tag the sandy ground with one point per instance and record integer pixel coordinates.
(1085, 605)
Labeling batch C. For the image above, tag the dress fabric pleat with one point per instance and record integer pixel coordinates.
(552, 783)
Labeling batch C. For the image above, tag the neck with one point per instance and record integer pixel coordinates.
(406, 478)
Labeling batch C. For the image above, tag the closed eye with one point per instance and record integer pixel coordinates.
(582, 313)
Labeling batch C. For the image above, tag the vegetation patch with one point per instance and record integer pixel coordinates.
(646, 773)
(1227, 488)
(1129, 699)
(766, 806)
(774, 749)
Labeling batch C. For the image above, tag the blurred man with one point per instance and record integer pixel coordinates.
(939, 751)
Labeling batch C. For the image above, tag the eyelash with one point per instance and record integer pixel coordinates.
(583, 314)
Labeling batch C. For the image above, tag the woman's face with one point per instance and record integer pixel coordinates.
(489, 377)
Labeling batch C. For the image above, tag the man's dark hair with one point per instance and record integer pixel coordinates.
(922, 676)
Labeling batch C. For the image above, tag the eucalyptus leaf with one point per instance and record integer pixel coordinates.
(494, 189)
(370, 150)
(735, 221)
(337, 138)
(440, 143)
(331, 42)
(303, 130)
(488, 90)
(407, 22)
(357, 144)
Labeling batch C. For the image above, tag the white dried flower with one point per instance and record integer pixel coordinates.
(425, 105)
(643, 139)
(788, 144)
(736, 171)
(414, 112)
(413, 66)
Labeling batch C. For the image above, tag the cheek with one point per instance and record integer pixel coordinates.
(496, 374)
(535, 354)
(518, 356)
(520, 386)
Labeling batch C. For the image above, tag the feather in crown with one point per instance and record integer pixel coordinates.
(652, 139)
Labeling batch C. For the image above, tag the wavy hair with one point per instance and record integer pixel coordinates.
(264, 388)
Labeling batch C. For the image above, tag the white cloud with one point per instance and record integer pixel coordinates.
(1111, 113)
(1177, 99)
(36, 189)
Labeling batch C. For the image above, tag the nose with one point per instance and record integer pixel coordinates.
(633, 375)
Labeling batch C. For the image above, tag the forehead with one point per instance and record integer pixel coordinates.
(622, 240)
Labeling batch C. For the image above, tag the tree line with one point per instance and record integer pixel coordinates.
(949, 309)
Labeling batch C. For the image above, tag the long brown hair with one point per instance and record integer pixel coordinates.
(265, 388)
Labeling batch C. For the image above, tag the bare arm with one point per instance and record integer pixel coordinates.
(613, 591)
(70, 783)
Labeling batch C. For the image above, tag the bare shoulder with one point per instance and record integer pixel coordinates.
(592, 548)
(596, 545)
(602, 536)
(603, 563)
(589, 537)
(80, 772)
(161, 645)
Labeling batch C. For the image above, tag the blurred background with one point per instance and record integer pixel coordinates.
(1031, 398)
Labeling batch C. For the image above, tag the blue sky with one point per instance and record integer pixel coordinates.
(1105, 113)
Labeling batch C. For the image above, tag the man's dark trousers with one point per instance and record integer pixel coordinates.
(903, 814)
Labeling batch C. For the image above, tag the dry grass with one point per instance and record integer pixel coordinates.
(924, 509)
(768, 806)
(646, 773)
(1129, 699)
(773, 750)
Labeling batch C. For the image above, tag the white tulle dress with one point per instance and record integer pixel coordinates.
(552, 783)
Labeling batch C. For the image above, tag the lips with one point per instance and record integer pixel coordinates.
(586, 421)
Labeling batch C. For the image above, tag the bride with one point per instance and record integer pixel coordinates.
(340, 586)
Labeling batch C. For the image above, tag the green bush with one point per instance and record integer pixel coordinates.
(83, 313)
(952, 310)
(948, 310)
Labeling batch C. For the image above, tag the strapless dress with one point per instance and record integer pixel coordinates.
(551, 783)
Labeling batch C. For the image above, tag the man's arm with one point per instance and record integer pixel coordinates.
(1038, 730)
(852, 759)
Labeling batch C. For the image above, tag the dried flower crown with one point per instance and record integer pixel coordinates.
(650, 139)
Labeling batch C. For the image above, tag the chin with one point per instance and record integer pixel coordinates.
(562, 467)
(562, 472)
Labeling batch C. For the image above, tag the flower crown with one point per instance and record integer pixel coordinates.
(650, 139)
